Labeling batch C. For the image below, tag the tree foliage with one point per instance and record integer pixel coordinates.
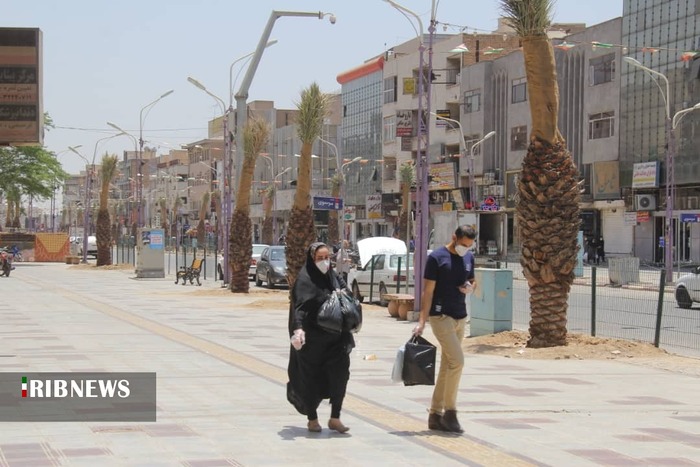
(29, 171)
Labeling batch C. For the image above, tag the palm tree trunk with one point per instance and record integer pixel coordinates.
(267, 222)
(300, 231)
(104, 235)
(241, 241)
(548, 208)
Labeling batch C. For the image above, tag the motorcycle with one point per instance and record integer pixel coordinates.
(5, 262)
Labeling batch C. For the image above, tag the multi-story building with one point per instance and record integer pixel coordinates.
(664, 37)
(361, 95)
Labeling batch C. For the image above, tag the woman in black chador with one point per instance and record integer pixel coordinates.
(319, 361)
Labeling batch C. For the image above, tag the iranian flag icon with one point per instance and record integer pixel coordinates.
(24, 386)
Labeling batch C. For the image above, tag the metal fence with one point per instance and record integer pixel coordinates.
(175, 256)
(642, 309)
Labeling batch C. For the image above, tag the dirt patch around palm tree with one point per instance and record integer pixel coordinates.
(512, 344)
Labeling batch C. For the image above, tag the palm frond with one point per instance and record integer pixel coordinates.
(312, 107)
(528, 17)
(256, 135)
(407, 174)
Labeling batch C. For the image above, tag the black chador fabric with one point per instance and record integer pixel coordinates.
(321, 369)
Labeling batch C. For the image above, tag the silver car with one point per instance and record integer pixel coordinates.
(257, 251)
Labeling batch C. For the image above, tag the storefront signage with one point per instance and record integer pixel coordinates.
(643, 216)
(490, 204)
(690, 218)
(645, 175)
(349, 213)
(328, 204)
(21, 113)
(630, 218)
(442, 176)
(404, 123)
(373, 205)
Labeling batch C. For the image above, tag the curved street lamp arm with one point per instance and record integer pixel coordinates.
(682, 113)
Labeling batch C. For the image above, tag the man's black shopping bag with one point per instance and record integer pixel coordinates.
(419, 362)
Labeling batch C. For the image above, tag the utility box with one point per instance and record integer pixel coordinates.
(150, 254)
(492, 302)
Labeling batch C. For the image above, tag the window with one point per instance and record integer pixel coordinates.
(518, 90)
(389, 129)
(601, 125)
(601, 69)
(518, 138)
(472, 101)
(390, 89)
(389, 169)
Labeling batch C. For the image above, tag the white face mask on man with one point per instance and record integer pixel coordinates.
(461, 250)
(323, 265)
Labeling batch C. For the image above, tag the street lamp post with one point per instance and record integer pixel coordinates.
(136, 181)
(422, 199)
(670, 172)
(274, 203)
(242, 94)
(142, 118)
(342, 194)
(463, 150)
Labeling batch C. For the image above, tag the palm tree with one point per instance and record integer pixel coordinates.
(255, 137)
(300, 231)
(201, 231)
(334, 233)
(407, 177)
(268, 197)
(108, 169)
(548, 209)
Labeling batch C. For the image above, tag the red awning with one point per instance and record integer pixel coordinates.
(366, 68)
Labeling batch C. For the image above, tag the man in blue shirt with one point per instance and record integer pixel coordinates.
(448, 278)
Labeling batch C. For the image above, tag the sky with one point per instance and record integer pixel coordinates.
(104, 61)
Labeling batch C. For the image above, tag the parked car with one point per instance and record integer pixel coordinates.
(257, 251)
(91, 248)
(272, 267)
(688, 288)
(386, 252)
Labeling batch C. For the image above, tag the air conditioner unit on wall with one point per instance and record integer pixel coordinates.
(645, 203)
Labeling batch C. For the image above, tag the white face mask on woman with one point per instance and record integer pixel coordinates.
(461, 250)
(323, 265)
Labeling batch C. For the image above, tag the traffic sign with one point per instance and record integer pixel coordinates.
(328, 204)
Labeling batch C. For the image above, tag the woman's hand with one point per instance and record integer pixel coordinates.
(298, 339)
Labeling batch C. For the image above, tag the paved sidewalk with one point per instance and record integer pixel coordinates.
(221, 365)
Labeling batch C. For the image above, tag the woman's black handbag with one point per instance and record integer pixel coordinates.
(352, 311)
(330, 315)
(419, 362)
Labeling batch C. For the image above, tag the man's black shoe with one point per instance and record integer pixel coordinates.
(450, 423)
(435, 422)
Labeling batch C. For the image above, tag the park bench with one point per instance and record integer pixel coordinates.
(190, 273)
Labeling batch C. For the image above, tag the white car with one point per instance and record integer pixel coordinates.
(258, 248)
(91, 248)
(688, 289)
(386, 252)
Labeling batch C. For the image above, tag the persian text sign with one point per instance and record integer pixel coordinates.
(645, 175)
(373, 206)
(323, 203)
(404, 123)
(21, 114)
